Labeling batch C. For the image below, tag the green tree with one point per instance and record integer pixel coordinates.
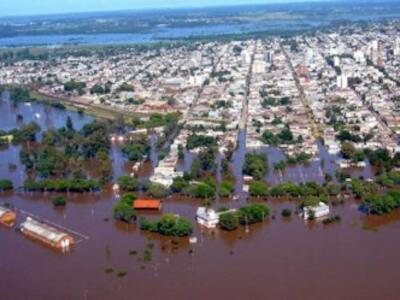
(348, 150)
(310, 201)
(253, 213)
(158, 190)
(59, 201)
(203, 190)
(124, 212)
(258, 189)
(127, 183)
(226, 188)
(286, 212)
(256, 165)
(6, 184)
(179, 185)
(69, 125)
(207, 159)
(169, 225)
(229, 221)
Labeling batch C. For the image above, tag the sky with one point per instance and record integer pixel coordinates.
(35, 7)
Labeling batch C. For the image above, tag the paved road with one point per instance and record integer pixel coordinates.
(314, 127)
(245, 106)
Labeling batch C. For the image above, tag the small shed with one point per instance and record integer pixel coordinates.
(7, 217)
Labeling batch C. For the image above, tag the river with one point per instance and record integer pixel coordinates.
(273, 19)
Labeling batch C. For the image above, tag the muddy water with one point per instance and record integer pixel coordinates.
(280, 259)
(46, 116)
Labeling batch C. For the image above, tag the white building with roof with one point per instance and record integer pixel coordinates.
(319, 211)
(208, 217)
(46, 234)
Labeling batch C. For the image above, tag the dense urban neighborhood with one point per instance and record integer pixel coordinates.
(188, 144)
(339, 87)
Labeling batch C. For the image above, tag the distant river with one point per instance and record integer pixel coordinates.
(157, 34)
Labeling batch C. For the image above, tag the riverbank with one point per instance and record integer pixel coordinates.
(103, 112)
(98, 111)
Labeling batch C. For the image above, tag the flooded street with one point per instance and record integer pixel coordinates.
(280, 259)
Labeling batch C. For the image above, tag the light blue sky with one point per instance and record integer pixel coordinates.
(33, 7)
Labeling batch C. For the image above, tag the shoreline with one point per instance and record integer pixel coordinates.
(98, 111)
(104, 112)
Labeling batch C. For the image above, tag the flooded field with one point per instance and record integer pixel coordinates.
(280, 259)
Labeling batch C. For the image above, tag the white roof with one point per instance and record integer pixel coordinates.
(207, 214)
(43, 230)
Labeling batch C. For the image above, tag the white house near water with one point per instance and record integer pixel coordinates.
(319, 211)
(208, 217)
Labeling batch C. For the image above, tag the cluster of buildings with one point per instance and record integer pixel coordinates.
(220, 103)
(309, 87)
(275, 101)
(215, 108)
(349, 81)
(165, 171)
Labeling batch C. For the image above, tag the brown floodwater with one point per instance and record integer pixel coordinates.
(279, 259)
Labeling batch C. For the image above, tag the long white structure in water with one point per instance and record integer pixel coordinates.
(46, 234)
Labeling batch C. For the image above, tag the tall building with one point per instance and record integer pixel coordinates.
(269, 57)
(359, 57)
(246, 57)
(309, 56)
(375, 45)
(342, 82)
(259, 67)
(396, 48)
(336, 61)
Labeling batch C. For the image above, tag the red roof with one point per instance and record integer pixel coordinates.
(147, 204)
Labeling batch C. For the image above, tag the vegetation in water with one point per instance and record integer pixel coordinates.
(6, 185)
(169, 225)
(381, 204)
(76, 185)
(258, 189)
(59, 201)
(246, 215)
(229, 221)
(332, 219)
(63, 151)
(256, 165)
(286, 212)
(123, 210)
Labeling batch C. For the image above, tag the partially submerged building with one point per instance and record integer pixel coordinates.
(7, 217)
(321, 210)
(144, 204)
(46, 234)
(208, 217)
